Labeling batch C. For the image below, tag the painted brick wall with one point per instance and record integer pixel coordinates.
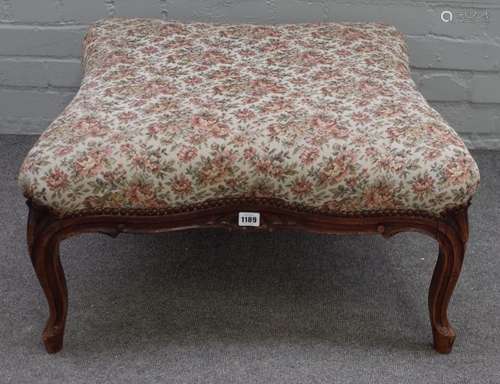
(455, 64)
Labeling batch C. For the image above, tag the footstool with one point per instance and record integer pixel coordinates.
(317, 127)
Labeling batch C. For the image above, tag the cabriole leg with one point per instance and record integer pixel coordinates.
(44, 252)
(449, 264)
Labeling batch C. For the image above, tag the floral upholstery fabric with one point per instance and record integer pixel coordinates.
(320, 116)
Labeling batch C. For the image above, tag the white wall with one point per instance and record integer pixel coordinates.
(456, 65)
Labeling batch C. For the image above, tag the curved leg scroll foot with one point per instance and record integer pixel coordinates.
(44, 252)
(57, 297)
(452, 238)
(443, 339)
(442, 285)
(53, 338)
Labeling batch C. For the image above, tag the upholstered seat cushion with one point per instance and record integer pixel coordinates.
(321, 117)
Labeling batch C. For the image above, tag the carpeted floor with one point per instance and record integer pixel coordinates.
(218, 307)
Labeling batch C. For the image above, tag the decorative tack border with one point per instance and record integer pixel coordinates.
(243, 203)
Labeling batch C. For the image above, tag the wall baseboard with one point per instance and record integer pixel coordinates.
(490, 141)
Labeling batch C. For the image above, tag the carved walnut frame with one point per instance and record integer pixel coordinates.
(46, 231)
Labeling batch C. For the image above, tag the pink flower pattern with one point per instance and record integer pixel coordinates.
(323, 116)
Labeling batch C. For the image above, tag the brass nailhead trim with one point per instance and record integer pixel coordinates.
(265, 202)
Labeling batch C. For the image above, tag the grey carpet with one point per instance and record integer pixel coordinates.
(218, 307)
